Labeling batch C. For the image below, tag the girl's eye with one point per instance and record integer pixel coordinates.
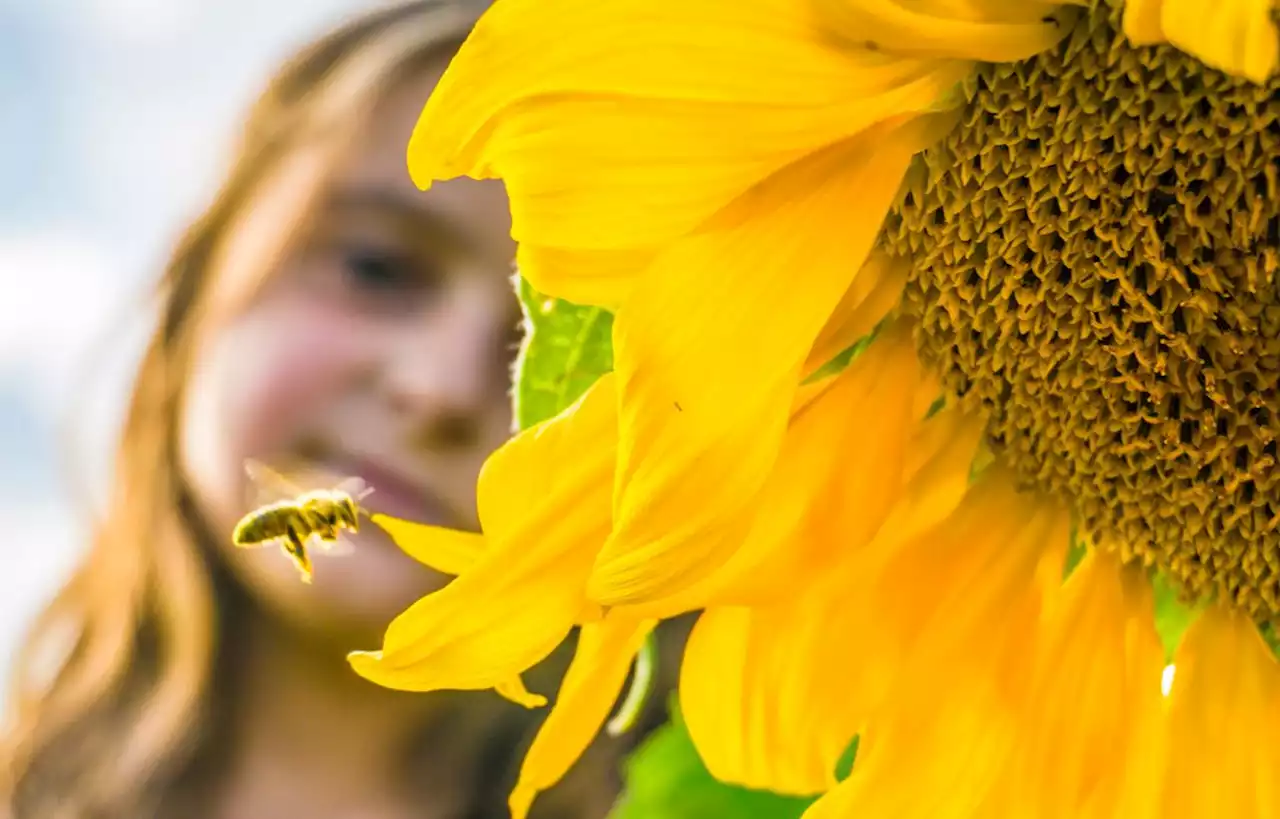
(385, 279)
(378, 271)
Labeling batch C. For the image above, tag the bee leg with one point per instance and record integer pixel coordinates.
(295, 547)
(324, 534)
(320, 525)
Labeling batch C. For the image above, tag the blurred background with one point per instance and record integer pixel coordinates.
(114, 119)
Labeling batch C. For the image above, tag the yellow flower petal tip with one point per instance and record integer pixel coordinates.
(520, 801)
(520, 588)
(449, 551)
(515, 691)
(365, 663)
(1141, 21)
(604, 654)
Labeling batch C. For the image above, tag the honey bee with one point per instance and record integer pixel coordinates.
(293, 517)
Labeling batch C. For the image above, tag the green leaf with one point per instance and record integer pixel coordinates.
(1075, 551)
(665, 779)
(1273, 639)
(566, 347)
(1172, 615)
(838, 364)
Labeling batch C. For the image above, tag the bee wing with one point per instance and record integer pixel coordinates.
(356, 487)
(271, 485)
(337, 548)
(267, 485)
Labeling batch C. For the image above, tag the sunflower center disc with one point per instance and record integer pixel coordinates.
(1094, 253)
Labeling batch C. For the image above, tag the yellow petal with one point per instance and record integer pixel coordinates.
(936, 477)
(770, 696)
(831, 487)
(764, 695)
(948, 720)
(450, 551)
(937, 470)
(591, 686)
(633, 152)
(515, 691)
(985, 30)
(770, 693)
(838, 476)
(601, 277)
(1095, 693)
(1141, 22)
(1223, 719)
(531, 480)
(936, 587)
(546, 512)
(875, 291)
(901, 588)
(1235, 36)
(709, 349)
(933, 761)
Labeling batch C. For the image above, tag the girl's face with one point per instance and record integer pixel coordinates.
(379, 347)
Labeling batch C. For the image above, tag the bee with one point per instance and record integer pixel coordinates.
(293, 517)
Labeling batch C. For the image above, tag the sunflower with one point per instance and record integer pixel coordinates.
(1058, 225)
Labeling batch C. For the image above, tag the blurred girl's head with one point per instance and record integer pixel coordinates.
(320, 309)
(355, 324)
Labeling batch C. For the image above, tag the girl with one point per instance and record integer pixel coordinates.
(321, 309)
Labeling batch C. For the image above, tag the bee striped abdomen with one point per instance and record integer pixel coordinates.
(267, 523)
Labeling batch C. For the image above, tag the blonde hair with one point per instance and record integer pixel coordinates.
(118, 722)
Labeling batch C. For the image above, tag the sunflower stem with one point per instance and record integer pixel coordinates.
(638, 694)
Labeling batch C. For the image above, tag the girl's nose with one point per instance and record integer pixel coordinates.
(449, 375)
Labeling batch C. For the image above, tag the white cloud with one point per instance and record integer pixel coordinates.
(61, 291)
(141, 21)
(56, 282)
(155, 118)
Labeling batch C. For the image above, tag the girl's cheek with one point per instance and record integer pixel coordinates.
(291, 374)
(263, 383)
